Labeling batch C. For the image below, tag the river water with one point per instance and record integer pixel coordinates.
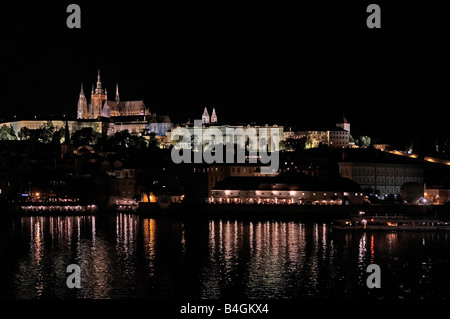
(127, 256)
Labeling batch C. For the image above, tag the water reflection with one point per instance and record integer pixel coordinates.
(125, 256)
(45, 246)
(265, 259)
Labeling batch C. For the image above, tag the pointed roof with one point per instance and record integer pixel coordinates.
(154, 120)
(98, 89)
(213, 113)
(344, 120)
(205, 112)
(117, 93)
(81, 92)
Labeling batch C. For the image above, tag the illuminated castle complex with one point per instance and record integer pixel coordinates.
(100, 106)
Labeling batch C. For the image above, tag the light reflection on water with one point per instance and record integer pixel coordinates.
(126, 256)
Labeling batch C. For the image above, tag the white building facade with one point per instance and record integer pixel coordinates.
(384, 178)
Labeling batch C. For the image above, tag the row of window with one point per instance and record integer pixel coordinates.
(338, 133)
(386, 180)
(387, 171)
(389, 190)
(221, 170)
(286, 193)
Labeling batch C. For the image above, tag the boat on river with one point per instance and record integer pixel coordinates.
(389, 223)
(56, 209)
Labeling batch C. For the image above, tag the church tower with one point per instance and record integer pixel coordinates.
(82, 110)
(205, 117)
(98, 98)
(213, 116)
(117, 93)
(344, 124)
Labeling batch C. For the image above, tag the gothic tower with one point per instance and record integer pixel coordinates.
(82, 110)
(205, 117)
(117, 93)
(214, 116)
(344, 124)
(98, 98)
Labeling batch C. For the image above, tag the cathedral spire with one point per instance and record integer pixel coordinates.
(117, 93)
(98, 89)
(81, 91)
(82, 105)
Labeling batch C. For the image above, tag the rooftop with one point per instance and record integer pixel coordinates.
(288, 182)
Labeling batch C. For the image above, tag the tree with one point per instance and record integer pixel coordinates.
(443, 145)
(308, 144)
(295, 144)
(365, 141)
(176, 141)
(47, 130)
(84, 136)
(35, 135)
(351, 139)
(153, 142)
(58, 136)
(123, 139)
(24, 133)
(7, 133)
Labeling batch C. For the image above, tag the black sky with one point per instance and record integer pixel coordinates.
(301, 64)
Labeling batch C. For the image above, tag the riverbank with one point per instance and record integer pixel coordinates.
(47, 210)
(249, 211)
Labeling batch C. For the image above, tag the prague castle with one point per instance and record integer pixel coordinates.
(100, 106)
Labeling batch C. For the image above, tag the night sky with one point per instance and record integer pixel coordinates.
(270, 63)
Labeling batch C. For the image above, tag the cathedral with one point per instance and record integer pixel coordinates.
(100, 106)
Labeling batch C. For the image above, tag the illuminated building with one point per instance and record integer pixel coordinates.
(267, 133)
(385, 178)
(100, 106)
(285, 189)
(218, 172)
(335, 137)
(382, 147)
(437, 194)
(73, 125)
